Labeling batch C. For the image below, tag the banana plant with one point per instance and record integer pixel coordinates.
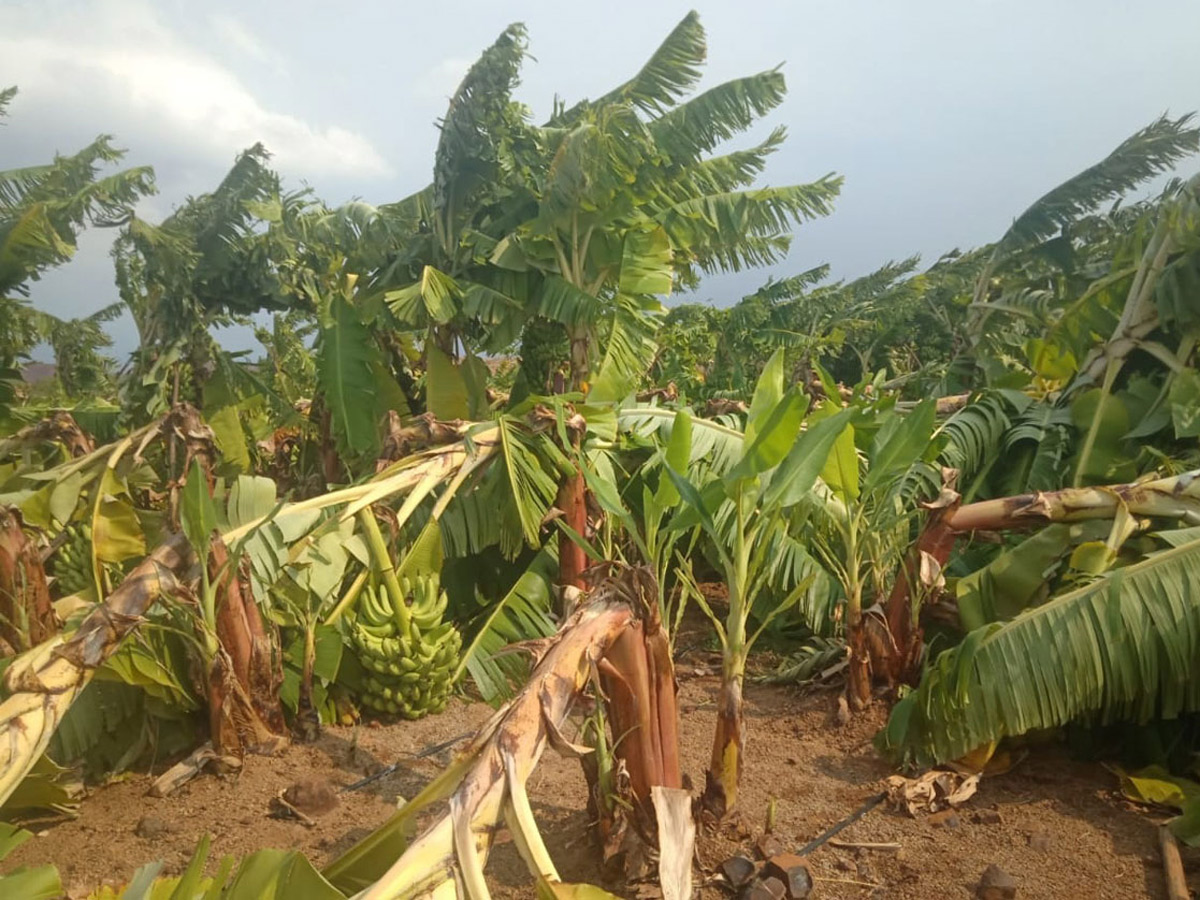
(646, 528)
(742, 513)
(42, 210)
(874, 479)
(43, 683)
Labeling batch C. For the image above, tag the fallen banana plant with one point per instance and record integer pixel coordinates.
(43, 683)
(1176, 497)
(486, 782)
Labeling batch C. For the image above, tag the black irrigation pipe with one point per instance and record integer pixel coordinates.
(388, 770)
(816, 842)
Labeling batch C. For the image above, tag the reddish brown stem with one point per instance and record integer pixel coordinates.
(626, 682)
(937, 540)
(252, 662)
(664, 698)
(26, 614)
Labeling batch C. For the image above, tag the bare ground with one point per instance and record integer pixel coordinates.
(1060, 829)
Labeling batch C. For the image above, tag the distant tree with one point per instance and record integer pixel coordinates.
(42, 210)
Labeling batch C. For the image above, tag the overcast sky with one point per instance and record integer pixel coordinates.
(946, 117)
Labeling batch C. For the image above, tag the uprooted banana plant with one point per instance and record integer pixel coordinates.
(486, 782)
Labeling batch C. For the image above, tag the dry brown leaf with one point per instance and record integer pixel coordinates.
(931, 792)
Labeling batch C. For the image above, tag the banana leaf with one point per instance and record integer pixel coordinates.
(1122, 648)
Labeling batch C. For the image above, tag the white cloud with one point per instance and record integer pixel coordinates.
(236, 34)
(117, 64)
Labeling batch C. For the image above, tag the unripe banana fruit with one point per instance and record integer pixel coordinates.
(73, 561)
(412, 673)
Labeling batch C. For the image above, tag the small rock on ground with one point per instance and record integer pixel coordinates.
(151, 828)
(1040, 840)
(947, 818)
(996, 884)
(793, 871)
(313, 797)
(768, 845)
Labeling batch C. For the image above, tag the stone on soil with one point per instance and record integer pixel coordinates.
(768, 845)
(312, 796)
(947, 818)
(151, 828)
(996, 884)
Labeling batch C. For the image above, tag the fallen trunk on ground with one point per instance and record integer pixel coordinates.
(486, 782)
(1176, 497)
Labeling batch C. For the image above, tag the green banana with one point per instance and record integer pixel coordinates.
(73, 561)
(411, 673)
(374, 609)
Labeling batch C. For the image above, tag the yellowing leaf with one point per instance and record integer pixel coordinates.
(1154, 784)
(116, 532)
(445, 387)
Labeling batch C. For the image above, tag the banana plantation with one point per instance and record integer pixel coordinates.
(789, 586)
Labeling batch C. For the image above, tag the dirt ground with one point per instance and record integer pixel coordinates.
(1056, 825)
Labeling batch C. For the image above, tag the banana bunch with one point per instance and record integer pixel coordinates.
(73, 560)
(412, 671)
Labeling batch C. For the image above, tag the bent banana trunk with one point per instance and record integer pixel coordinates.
(43, 683)
(488, 779)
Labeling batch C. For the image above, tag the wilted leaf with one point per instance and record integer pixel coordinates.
(445, 387)
(1186, 826)
(221, 414)
(1155, 785)
(116, 531)
(64, 497)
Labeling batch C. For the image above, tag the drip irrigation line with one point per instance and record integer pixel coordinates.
(388, 770)
(845, 823)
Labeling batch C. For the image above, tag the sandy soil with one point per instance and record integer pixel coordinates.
(1059, 828)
